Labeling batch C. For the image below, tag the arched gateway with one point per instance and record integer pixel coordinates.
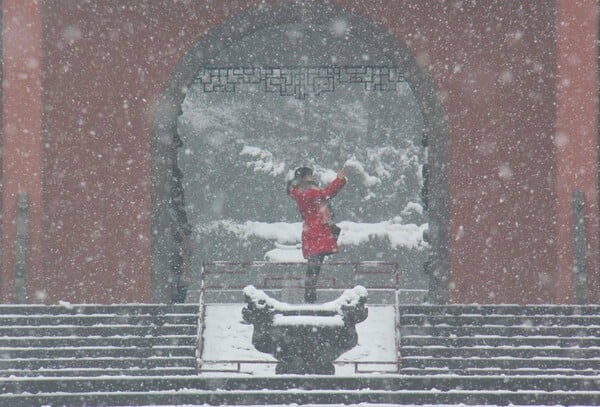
(280, 87)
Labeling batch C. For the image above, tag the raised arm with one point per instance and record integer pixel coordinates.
(333, 188)
(326, 193)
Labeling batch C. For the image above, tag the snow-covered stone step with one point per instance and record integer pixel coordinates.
(302, 396)
(88, 340)
(115, 341)
(94, 352)
(499, 330)
(503, 320)
(387, 389)
(500, 339)
(89, 320)
(496, 340)
(539, 374)
(500, 362)
(122, 362)
(463, 310)
(116, 309)
(98, 330)
(388, 382)
(498, 352)
(90, 373)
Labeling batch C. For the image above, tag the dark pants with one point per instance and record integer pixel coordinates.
(314, 268)
(312, 275)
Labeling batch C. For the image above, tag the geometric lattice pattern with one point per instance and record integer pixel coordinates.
(299, 81)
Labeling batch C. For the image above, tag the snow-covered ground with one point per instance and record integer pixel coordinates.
(227, 337)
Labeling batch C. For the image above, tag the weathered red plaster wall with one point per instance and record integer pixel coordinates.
(494, 64)
(105, 64)
(21, 142)
(577, 139)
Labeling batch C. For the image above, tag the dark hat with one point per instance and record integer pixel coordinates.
(302, 172)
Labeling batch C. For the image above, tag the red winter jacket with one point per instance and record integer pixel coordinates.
(316, 230)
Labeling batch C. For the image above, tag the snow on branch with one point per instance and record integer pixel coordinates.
(264, 161)
(353, 233)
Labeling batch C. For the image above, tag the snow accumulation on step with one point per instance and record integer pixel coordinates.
(86, 348)
(98, 315)
(479, 336)
(495, 357)
(427, 324)
(487, 349)
(503, 347)
(227, 337)
(84, 327)
(101, 358)
(361, 404)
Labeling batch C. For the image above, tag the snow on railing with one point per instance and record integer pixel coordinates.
(397, 328)
(201, 314)
(236, 365)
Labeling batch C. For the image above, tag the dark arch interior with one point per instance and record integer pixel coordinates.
(327, 38)
(240, 147)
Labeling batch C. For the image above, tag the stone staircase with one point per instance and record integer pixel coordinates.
(119, 356)
(85, 340)
(397, 390)
(507, 340)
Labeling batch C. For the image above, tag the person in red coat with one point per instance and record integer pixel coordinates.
(319, 233)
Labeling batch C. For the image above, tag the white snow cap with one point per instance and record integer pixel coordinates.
(350, 297)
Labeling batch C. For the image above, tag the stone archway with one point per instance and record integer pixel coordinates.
(169, 220)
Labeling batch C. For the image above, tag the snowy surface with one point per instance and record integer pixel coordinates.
(361, 404)
(287, 236)
(227, 337)
(350, 297)
(287, 320)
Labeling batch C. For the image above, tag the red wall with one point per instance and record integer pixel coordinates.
(21, 140)
(105, 66)
(576, 137)
(495, 64)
